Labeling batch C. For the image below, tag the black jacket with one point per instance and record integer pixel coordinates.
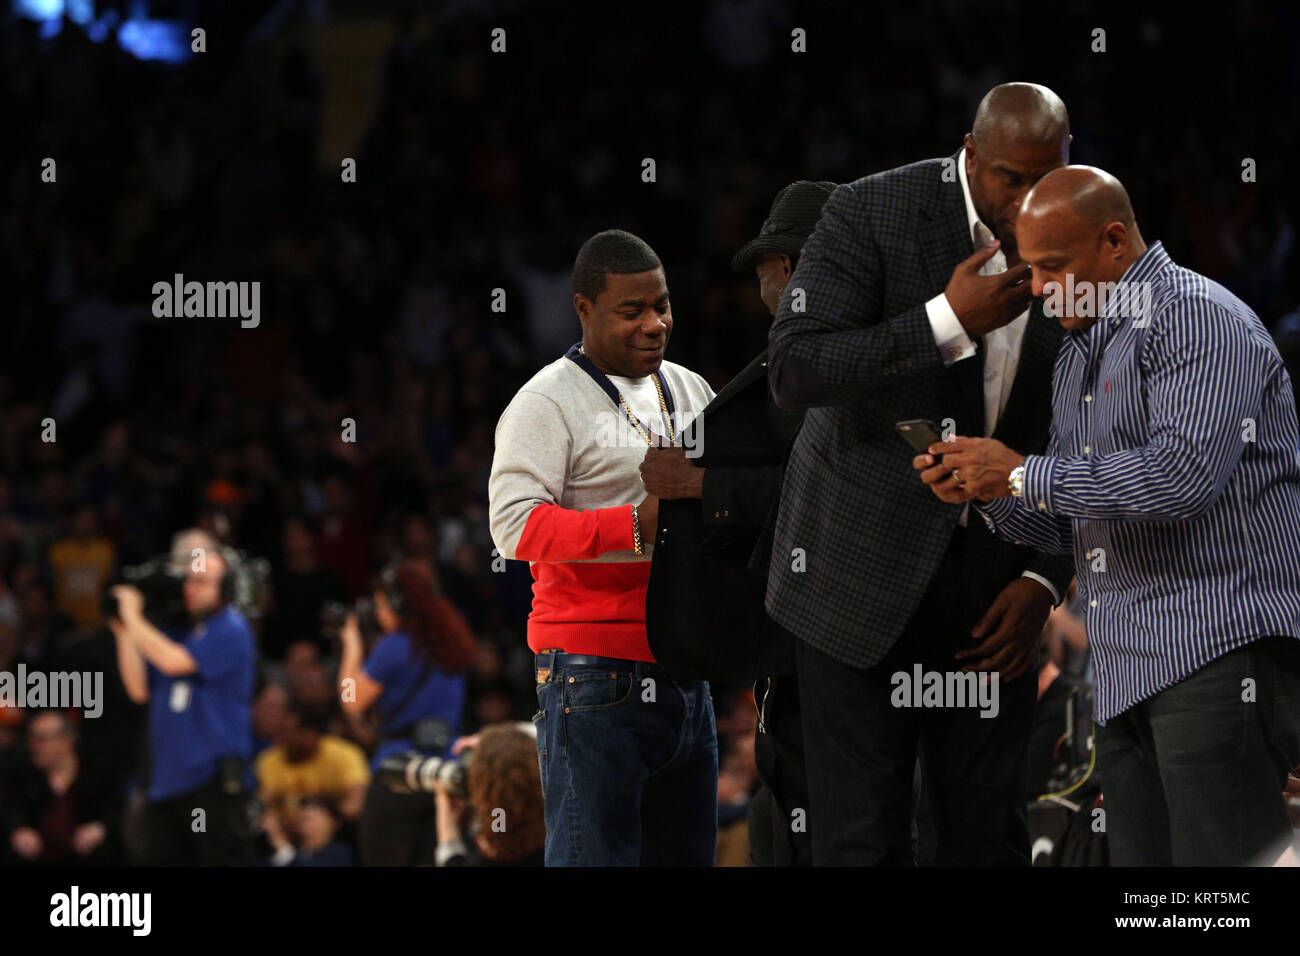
(859, 537)
(704, 605)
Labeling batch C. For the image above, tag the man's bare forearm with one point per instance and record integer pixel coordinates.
(158, 649)
(131, 666)
(350, 663)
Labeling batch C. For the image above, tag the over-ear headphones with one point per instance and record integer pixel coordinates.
(182, 562)
(230, 578)
(388, 584)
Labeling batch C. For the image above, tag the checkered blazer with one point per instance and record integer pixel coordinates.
(857, 536)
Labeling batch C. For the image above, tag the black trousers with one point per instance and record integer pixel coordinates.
(398, 829)
(221, 836)
(778, 819)
(861, 749)
(1193, 776)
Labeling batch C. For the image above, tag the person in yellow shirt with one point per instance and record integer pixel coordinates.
(82, 564)
(308, 761)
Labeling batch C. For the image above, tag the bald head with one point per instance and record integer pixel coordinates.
(1077, 227)
(1020, 112)
(1021, 133)
(1087, 194)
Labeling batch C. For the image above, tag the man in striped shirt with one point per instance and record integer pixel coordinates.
(1172, 477)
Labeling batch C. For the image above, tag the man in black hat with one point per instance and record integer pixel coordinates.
(704, 604)
(772, 254)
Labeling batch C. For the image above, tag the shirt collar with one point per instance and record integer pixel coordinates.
(1148, 264)
(978, 233)
(1141, 270)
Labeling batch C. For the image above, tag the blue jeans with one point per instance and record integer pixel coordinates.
(629, 763)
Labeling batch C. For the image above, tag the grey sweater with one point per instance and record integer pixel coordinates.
(562, 441)
(566, 473)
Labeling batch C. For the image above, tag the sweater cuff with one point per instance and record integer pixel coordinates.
(615, 525)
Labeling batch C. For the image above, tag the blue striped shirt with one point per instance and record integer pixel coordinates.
(1172, 476)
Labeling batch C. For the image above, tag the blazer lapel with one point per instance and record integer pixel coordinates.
(944, 242)
(943, 237)
(755, 369)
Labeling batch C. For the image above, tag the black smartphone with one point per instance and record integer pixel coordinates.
(920, 433)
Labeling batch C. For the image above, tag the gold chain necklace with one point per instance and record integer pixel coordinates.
(636, 422)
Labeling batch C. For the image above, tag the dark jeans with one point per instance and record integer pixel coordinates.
(629, 764)
(861, 749)
(1193, 776)
(225, 840)
(398, 829)
(778, 821)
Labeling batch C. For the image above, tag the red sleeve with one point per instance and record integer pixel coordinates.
(553, 533)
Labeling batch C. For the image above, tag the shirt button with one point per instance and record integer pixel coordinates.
(1042, 506)
(1092, 603)
(1087, 449)
(1087, 398)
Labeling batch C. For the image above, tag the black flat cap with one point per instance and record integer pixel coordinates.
(795, 212)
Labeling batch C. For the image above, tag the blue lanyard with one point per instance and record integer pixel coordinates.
(601, 379)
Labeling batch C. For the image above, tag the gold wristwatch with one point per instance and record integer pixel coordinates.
(1016, 482)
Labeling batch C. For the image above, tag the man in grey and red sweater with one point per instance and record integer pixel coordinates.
(628, 756)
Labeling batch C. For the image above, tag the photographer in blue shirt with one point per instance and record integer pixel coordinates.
(197, 678)
(415, 678)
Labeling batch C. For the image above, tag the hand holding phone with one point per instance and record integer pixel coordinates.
(920, 433)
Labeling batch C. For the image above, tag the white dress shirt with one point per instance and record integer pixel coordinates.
(1002, 346)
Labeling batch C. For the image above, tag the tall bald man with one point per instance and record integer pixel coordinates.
(1172, 480)
(910, 302)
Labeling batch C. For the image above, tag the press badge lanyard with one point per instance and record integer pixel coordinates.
(601, 379)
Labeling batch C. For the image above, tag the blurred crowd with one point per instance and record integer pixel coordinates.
(475, 172)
